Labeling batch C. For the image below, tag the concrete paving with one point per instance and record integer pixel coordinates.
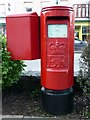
(21, 117)
(34, 66)
(76, 62)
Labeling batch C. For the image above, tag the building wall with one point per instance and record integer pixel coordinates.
(80, 29)
(82, 15)
(23, 6)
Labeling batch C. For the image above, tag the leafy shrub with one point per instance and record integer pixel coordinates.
(11, 69)
(0, 64)
(84, 78)
(84, 73)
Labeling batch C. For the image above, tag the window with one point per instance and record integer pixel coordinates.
(28, 6)
(87, 12)
(28, 9)
(85, 29)
(9, 7)
(82, 10)
(88, 29)
(79, 12)
(85, 32)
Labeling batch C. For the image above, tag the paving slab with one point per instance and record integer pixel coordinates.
(12, 117)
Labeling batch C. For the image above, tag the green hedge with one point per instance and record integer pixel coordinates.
(84, 79)
(11, 69)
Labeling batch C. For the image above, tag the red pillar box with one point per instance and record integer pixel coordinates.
(23, 36)
(57, 54)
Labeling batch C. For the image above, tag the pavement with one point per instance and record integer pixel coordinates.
(76, 62)
(21, 117)
(34, 66)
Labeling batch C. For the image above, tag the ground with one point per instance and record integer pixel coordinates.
(26, 100)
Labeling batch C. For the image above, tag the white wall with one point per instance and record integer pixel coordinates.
(81, 1)
(17, 6)
(12, 7)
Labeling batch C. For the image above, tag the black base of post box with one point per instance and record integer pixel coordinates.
(57, 102)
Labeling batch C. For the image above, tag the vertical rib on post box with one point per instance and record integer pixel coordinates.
(23, 36)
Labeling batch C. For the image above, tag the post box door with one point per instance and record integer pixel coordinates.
(57, 44)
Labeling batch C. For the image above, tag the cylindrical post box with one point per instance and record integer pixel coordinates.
(57, 57)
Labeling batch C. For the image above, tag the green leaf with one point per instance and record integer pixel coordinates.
(11, 69)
